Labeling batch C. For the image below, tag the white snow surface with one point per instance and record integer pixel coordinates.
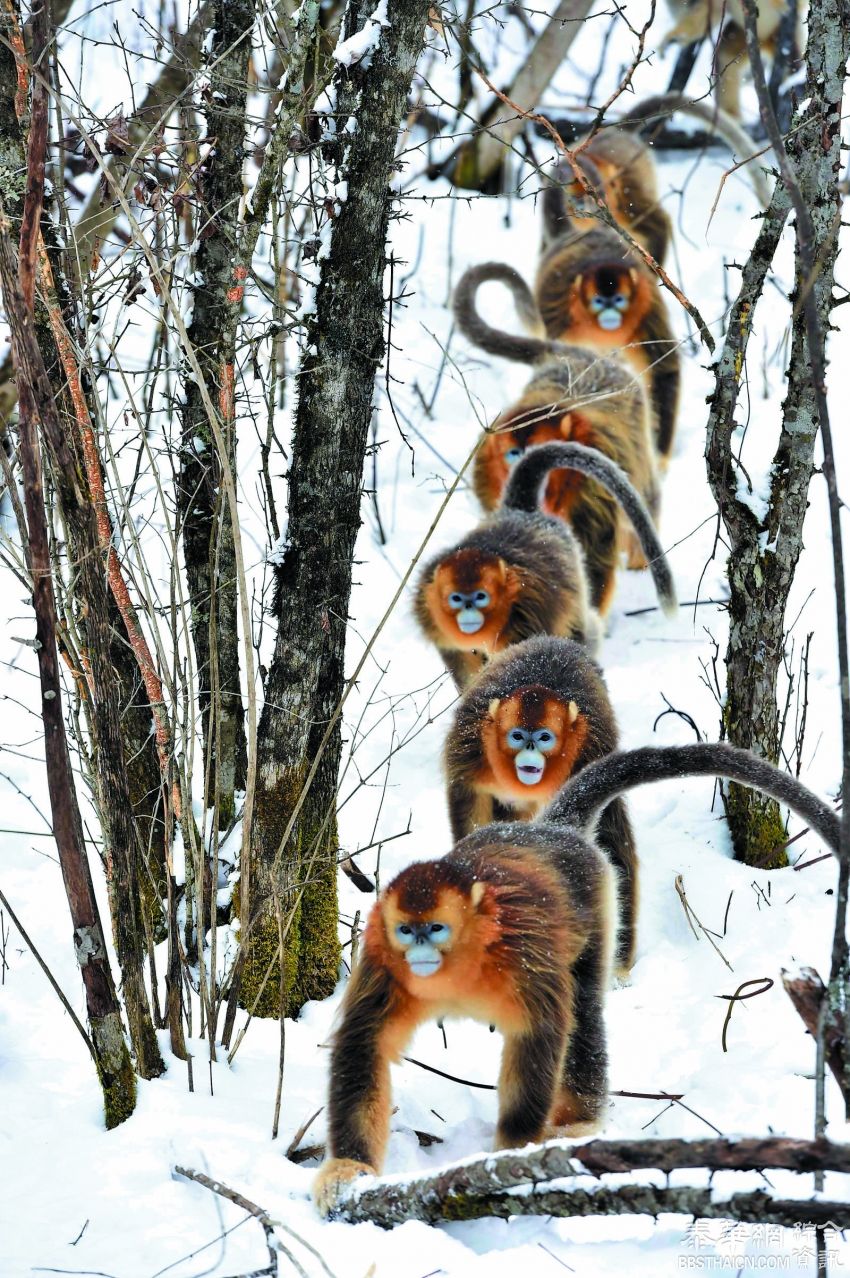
(74, 1198)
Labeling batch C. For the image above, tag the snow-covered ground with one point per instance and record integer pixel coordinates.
(74, 1198)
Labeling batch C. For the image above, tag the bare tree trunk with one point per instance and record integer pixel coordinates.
(293, 860)
(77, 505)
(764, 549)
(217, 302)
(35, 399)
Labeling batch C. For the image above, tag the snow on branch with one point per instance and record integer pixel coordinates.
(521, 1183)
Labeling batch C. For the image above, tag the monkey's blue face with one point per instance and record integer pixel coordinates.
(421, 942)
(468, 609)
(609, 310)
(530, 750)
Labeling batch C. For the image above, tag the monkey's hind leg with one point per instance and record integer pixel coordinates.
(532, 1064)
(635, 558)
(581, 1099)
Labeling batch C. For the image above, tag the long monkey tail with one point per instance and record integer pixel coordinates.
(654, 110)
(524, 350)
(584, 795)
(523, 492)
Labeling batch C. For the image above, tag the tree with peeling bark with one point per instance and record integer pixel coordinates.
(293, 853)
(765, 545)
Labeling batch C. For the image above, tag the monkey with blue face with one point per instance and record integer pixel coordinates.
(522, 573)
(537, 714)
(515, 928)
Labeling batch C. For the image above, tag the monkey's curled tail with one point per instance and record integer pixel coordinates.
(657, 108)
(582, 798)
(524, 350)
(523, 492)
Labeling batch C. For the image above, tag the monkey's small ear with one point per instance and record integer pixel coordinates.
(633, 276)
(503, 569)
(579, 279)
(476, 894)
(572, 711)
(565, 426)
(493, 707)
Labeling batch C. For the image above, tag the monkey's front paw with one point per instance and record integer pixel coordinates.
(332, 1178)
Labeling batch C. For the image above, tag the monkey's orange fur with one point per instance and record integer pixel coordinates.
(469, 570)
(574, 267)
(538, 423)
(613, 416)
(620, 169)
(526, 938)
(531, 707)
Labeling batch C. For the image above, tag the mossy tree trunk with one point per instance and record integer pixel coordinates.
(217, 295)
(344, 345)
(764, 547)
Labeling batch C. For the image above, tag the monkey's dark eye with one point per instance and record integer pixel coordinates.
(544, 739)
(455, 600)
(404, 933)
(439, 931)
(513, 454)
(481, 599)
(518, 738)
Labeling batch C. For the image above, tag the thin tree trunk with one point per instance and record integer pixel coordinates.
(764, 548)
(295, 860)
(113, 1059)
(217, 302)
(113, 793)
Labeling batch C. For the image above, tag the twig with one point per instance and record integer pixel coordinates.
(269, 1225)
(690, 914)
(764, 982)
(604, 212)
(689, 603)
(301, 1132)
(47, 972)
(453, 1078)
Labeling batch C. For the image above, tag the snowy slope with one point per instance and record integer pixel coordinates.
(61, 1174)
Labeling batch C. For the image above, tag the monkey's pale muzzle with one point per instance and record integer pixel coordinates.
(530, 766)
(470, 621)
(424, 960)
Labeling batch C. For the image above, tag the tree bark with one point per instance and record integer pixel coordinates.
(113, 1060)
(217, 302)
(294, 862)
(765, 547)
(807, 992)
(114, 804)
(483, 1186)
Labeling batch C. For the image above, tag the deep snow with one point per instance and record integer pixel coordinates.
(61, 1174)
